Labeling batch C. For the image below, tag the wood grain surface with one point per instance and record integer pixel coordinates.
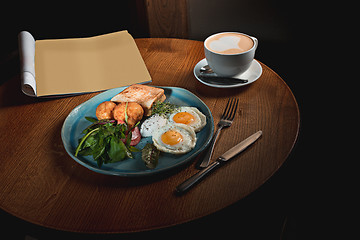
(41, 184)
(167, 18)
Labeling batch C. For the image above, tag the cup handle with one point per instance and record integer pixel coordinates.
(255, 41)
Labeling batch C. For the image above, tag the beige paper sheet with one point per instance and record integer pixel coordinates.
(78, 65)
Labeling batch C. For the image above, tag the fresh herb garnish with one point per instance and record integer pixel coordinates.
(163, 108)
(103, 140)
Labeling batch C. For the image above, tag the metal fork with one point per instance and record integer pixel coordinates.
(225, 121)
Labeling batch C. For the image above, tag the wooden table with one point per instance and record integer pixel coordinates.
(41, 184)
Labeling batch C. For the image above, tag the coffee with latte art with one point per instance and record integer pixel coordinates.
(229, 43)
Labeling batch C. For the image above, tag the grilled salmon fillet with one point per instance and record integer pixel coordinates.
(144, 95)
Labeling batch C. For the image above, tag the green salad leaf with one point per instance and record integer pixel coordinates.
(103, 140)
(117, 150)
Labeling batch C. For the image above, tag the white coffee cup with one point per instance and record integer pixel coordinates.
(230, 53)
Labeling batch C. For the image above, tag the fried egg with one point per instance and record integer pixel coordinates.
(189, 116)
(174, 138)
(152, 124)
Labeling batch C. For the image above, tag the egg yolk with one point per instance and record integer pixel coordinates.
(171, 137)
(184, 118)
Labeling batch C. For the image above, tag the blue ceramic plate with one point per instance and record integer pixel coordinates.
(76, 122)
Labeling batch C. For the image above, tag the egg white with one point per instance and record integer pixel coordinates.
(186, 145)
(152, 124)
(197, 124)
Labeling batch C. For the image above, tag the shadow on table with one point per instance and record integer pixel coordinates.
(12, 95)
(220, 92)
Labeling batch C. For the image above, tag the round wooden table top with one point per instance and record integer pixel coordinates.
(41, 184)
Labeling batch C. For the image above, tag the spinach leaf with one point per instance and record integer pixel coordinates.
(117, 150)
(99, 148)
(108, 142)
(80, 146)
(91, 119)
(103, 140)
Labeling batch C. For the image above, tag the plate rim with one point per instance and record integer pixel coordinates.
(148, 171)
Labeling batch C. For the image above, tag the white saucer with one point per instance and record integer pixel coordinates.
(252, 74)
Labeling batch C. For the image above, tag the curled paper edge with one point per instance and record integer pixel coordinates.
(27, 63)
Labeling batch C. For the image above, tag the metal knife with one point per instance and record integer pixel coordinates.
(232, 152)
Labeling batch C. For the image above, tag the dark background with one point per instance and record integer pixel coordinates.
(285, 207)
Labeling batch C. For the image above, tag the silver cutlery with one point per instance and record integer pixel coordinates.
(225, 121)
(187, 184)
(208, 75)
(206, 69)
